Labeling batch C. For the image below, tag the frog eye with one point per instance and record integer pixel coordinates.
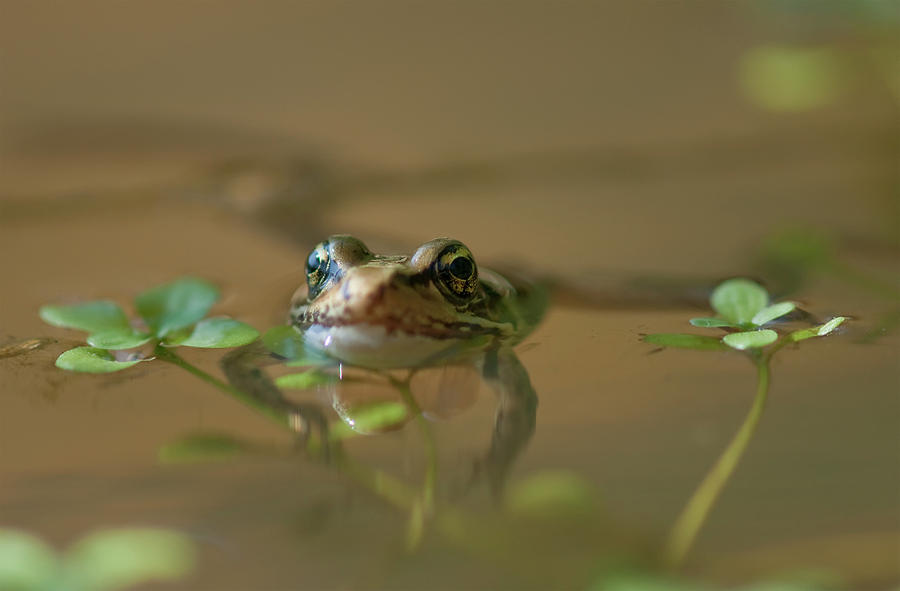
(317, 265)
(456, 272)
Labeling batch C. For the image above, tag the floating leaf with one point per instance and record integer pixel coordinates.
(92, 360)
(204, 447)
(369, 418)
(770, 313)
(305, 379)
(818, 331)
(738, 300)
(831, 325)
(25, 561)
(113, 559)
(98, 316)
(217, 333)
(752, 339)
(552, 493)
(176, 305)
(710, 322)
(685, 341)
(116, 340)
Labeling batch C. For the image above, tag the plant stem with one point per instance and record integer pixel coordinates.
(168, 355)
(430, 445)
(423, 507)
(695, 513)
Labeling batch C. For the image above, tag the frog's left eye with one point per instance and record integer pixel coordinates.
(457, 274)
(317, 265)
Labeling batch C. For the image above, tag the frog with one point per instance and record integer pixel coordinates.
(392, 311)
(434, 307)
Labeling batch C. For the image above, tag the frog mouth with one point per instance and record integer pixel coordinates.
(377, 346)
(392, 325)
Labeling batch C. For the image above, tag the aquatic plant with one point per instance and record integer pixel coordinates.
(745, 312)
(171, 315)
(104, 560)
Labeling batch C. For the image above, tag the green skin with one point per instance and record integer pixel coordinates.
(395, 312)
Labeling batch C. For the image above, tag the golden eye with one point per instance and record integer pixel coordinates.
(317, 265)
(456, 273)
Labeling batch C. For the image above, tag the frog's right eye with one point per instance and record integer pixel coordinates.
(317, 265)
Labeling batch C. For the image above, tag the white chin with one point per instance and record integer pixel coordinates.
(371, 346)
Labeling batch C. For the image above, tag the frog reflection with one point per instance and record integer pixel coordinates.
(390, 314)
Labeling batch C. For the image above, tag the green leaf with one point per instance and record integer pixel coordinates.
(552, 494)
(176, 305)
(770, 313)
(792, 78)
(710, 322)
(288, 342)
(116, 340)
(204, 447)
(26, 562)
(92, 360)
(738, 300)
(218, 333)
(98, 316)
(114, 559)
(369, 418)
(645, 582)
(685, 341)
(831, 325)
(305, 379)
(752, 339)
(817, 331)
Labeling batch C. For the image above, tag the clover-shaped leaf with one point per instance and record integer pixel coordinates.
(173, 313)
(25, 561)
(99, 316)
(218, 333)
(742, 304)
(176, 305)
(773, 312)
(114, 559)
(116, 340)
(685, 341)
(739, 300)
(92, 360)
(817, 331)
(751, 339)
(102, 561)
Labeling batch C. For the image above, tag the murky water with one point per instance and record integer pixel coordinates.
(593, 199)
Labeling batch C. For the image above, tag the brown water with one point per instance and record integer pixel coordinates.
(595, 144)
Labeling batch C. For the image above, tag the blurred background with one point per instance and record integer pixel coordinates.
(583, 140)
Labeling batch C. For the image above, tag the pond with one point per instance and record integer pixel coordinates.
(633, 233)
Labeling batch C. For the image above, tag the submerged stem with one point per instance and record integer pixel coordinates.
(694, 514)
(168, 355)
(430, 446)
